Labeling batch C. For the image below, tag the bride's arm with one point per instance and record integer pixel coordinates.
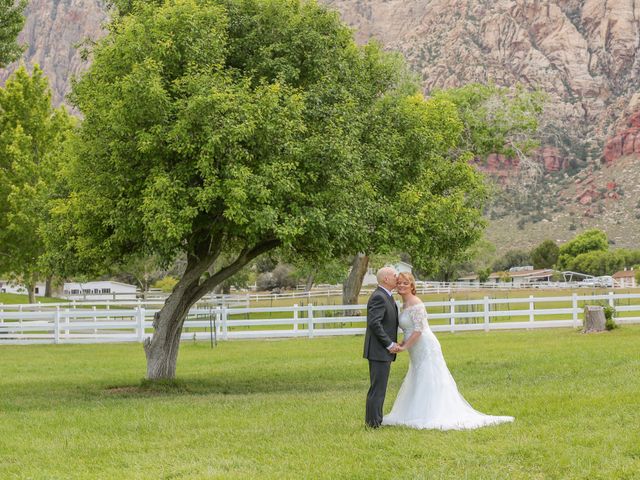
(419, 319)
(413, 338)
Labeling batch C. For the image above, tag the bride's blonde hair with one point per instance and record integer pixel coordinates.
(408, 276)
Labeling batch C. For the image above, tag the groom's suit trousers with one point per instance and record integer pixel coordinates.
(379, 376)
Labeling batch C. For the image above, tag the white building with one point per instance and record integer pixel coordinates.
(370, 276)
(403, 267)
(10, 287)
(99, 290)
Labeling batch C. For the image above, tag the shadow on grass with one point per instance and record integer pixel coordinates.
(248, 385)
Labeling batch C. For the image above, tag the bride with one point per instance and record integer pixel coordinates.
(428, 397)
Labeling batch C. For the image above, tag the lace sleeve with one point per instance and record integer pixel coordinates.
(418, 316)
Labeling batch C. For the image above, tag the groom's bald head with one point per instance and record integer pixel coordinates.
(386, 277)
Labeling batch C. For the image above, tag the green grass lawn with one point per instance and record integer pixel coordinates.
(14, 298)
(294, 409)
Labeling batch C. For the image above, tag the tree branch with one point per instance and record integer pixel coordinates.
(205, 253)
(245, 256)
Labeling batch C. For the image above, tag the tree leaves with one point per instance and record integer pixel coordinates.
(11, 22)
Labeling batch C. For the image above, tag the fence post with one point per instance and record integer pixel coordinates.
(532, 311)
(611, 300)
(95, 330)
(310, 319)
(486, 313)
(67, 322)
(295, 319)
(218, 316)
(56, 326)
(452, 311)
(140, 323)
(574, 306)
(225, 330)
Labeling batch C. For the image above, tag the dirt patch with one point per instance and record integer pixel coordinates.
(134, 390)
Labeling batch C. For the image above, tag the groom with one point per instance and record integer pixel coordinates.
(380, 346)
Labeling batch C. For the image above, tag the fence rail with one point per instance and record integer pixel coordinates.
(244, 299)
(62, 324)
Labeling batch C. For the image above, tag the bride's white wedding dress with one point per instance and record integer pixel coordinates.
(429, 397)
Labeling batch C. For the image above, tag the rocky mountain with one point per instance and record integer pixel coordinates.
(54, 32)
(583, 53)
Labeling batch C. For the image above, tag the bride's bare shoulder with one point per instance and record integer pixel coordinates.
(412, 302)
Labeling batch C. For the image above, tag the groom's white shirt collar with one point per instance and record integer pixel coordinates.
(388, 292)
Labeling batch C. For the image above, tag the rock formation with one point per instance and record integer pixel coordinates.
(53, 33)
(625, 142)
(584, 53)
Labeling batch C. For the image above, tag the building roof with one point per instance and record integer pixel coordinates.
(94, 282)
(531, 274)
(625, 274)
(541, 273)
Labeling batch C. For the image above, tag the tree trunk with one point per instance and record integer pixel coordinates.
(162, 348)
(594, 320)
(309, 283)
(31, 291)
(353, 283)
(47, 286)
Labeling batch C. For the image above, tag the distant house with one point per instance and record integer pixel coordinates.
(403, 267)
(625, 278)
(11, 287)
(370, 278)
(516, 276)
(99, 290)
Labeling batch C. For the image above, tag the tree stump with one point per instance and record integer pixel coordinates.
(594, 320)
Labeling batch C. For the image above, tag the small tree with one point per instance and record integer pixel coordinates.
(483, 275)
(512, 258)
(32, 137)
(545, 255)
(11, 22)
(166, 284)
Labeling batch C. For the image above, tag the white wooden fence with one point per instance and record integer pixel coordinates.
(62, 324)
(244, 299)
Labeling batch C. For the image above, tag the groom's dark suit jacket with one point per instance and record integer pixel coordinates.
(382, 326)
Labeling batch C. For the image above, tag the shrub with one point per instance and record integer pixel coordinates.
(166, 284)
(609, 312)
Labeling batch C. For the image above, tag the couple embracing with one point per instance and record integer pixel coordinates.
(428, 397)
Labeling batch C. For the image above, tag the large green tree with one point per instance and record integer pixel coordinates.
(32, 133)
(597, 262)
(429, 203)
(592, 240)
(230, 128)
(11, 22)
